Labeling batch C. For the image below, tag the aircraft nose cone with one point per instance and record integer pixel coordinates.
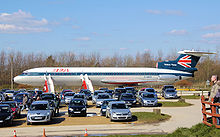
(17, 79)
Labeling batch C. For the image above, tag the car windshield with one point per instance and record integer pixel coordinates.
(130, 89)
(39, 107)
(150, 90)
(69, 94)
(120, 90)
(148, 95)
(127, 96)
(103, 96)
(171, 90)
(9, 91)
(106, 102)
(77, 103)
(12, 105)
(49, 96)
(96, 93)
(169, 86)
(79, 96)
(109, 91)
(4, 109)
(119, 106)
(19, 97)
(85, 91)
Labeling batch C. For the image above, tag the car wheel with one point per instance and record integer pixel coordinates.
(28, 123)
(69, 115)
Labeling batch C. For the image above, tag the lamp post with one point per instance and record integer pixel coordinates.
(12, 83)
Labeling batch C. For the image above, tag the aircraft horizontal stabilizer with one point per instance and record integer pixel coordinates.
(195, 53)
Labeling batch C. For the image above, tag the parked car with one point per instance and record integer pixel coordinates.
(81, 96)
(77, 107)
(170, 93)
(128, 98)
(40, 111)
(50, 97)
(104, 106)
(9, 93)
(166, 87)
(150, 90)
(94, 96)
(118, 92)
(63, 92)
(16, 111)
(118, 110)
(131, 90)
(2, 98)
(103, 89)
(110, 92)
(68, 96)
(6, 116)
(87, 93)
(101, 97)
(19, 98)
(148, 99)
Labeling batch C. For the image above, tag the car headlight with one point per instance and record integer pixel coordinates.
(103, 109)
(134, 101)
(48, 113)
(84, 109)
(129, 113)
(70, 109)
(8, 118)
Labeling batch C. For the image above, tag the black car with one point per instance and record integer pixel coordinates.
(6, 116)
(77, 107)
(118, 92)
(129, 99)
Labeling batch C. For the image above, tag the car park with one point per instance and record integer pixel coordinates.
(68, 96)
(170, 93)
(16, 111)
(87, 93)
(128, 98)
(40, 111)
(6, 116)
(148, 99)
(81, 96)
(101, 97)
(118, 110)
(77, 107)
(94, 96)
(104, 106)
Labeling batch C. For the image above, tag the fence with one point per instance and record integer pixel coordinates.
(209, 113)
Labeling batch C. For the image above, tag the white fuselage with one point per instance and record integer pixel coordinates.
(101, 76)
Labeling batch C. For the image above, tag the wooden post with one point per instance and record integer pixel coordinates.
(203, 109)
(213, 109)
(157, 111)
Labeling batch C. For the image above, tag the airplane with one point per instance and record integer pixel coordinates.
(166, 72)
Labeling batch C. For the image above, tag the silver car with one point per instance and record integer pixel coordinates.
(68, 96)
(148, 99)
(95, 94)
(118, 110)
(101, 97)
(40, 111)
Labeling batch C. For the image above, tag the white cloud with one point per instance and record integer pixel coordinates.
(165, 12)
(212, 27)
(82, 39)
(177, 32)
(212, 35)
(22, 22)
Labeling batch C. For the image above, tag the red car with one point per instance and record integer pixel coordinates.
(14, 107)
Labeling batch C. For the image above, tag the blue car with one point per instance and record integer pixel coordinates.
(170, 93)
(151, 90)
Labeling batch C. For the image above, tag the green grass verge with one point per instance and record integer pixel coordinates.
(174, 104)
(191, 97)
(199, 130)
(150, 117)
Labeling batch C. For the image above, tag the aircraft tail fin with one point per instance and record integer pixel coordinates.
(187, 61)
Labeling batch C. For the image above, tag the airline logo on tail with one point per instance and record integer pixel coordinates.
(185, 61)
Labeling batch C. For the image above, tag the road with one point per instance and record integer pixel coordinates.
(181, 117)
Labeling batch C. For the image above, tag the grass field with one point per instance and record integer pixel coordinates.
(199, 130)
(150, 117)
(191, 97)
(174, 104)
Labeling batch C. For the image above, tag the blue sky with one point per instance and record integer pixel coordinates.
(110, 27)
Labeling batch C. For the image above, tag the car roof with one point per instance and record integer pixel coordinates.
(22, 93)
(117, 102)
(40, 102)
(148, 93)
(103, 94)
(4, 105)
(8, 102)
(80, 94)
(170, 89)
(119, 88)
(126, 94)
